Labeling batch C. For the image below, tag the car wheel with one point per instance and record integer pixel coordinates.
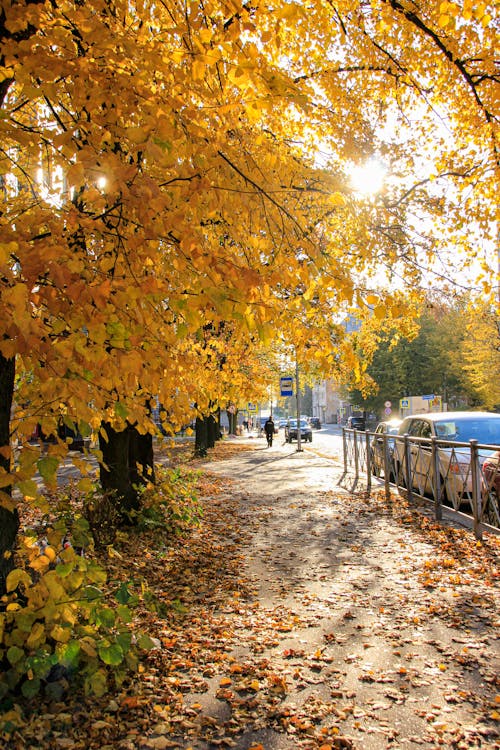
(492, 510)
(375, 470)
(399, 475)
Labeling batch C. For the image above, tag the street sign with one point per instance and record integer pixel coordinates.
(388, 404)
(252, 408)
(404, 403)
(286, 386)
(387, 410)
(428, 398)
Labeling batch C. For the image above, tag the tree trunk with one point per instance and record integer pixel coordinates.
(140, 458)
(233, 422)
(218, 431)
(201, 438)
(9, 519)
(115, 474)
(211, 430)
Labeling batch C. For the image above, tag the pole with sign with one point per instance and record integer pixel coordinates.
(297, 388)
(286, 386)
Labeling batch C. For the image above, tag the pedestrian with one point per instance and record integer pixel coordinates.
(269, 430)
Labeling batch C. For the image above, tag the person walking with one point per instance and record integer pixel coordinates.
(269, 430)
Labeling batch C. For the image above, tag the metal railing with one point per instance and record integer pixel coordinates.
(462, 477)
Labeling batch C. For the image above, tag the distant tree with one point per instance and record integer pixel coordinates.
(430, 362)
(480, 351)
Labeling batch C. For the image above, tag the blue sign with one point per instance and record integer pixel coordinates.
(286, 386)
(428, 398)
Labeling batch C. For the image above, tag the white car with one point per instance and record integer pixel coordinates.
(449, 428)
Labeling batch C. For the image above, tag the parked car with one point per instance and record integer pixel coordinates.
(356, 423)
(291, 431)
(454, 461)
(389, 427)
(491, 489)
(315, 423)
(282, 424)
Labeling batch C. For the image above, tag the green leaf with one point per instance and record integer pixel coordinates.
(47, 466)
(145, 642)
(124, 613)
(124, 639)
(69, 653)
(28, 488)
(15, 654)
(64, 569)
(121, 410)
(96, 683)
(106, 617)
(122, 594)
(112, 654)
(30, 688)
(92, 592)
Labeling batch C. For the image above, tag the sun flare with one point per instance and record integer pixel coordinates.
(368, 178)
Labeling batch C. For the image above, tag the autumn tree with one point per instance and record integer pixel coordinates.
(166, 167)
(480, 352)
(430, 360)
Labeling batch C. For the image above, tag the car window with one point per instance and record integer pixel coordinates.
(414, 427)
(425, 429)
(483, 429)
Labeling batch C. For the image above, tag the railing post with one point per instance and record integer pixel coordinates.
(344, 447)
(407, 466)
(356, 455)
(476, 489)
(436, 485)
(368, 464)
(387, 468)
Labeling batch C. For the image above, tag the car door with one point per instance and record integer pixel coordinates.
(378, 448)
(424, 458)
(417, 458)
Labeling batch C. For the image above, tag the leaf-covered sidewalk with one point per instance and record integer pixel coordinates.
(300, 616)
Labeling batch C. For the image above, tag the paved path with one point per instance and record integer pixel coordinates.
(379, 629)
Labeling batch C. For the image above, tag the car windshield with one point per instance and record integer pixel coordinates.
(293, 423)
(484, 430)
(303, 423)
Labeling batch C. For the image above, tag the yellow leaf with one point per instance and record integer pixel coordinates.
(337, 199)
(16, 577)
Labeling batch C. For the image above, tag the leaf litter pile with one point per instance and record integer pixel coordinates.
(317, 620)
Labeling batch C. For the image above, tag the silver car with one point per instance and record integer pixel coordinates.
(379, 444)
(451, 429)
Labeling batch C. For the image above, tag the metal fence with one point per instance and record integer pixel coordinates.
(462, 477)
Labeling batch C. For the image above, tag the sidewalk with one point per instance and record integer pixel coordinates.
(365, 624)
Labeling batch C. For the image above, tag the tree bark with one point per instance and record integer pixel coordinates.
(115, 471)
(201, 438)
(9, 519)
(211, 430)
(140, 458)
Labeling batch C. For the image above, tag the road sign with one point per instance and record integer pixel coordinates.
(286, 386)
(428, 398)
(404, 403)
(387, 410)
(388, 404)
(252, 408)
